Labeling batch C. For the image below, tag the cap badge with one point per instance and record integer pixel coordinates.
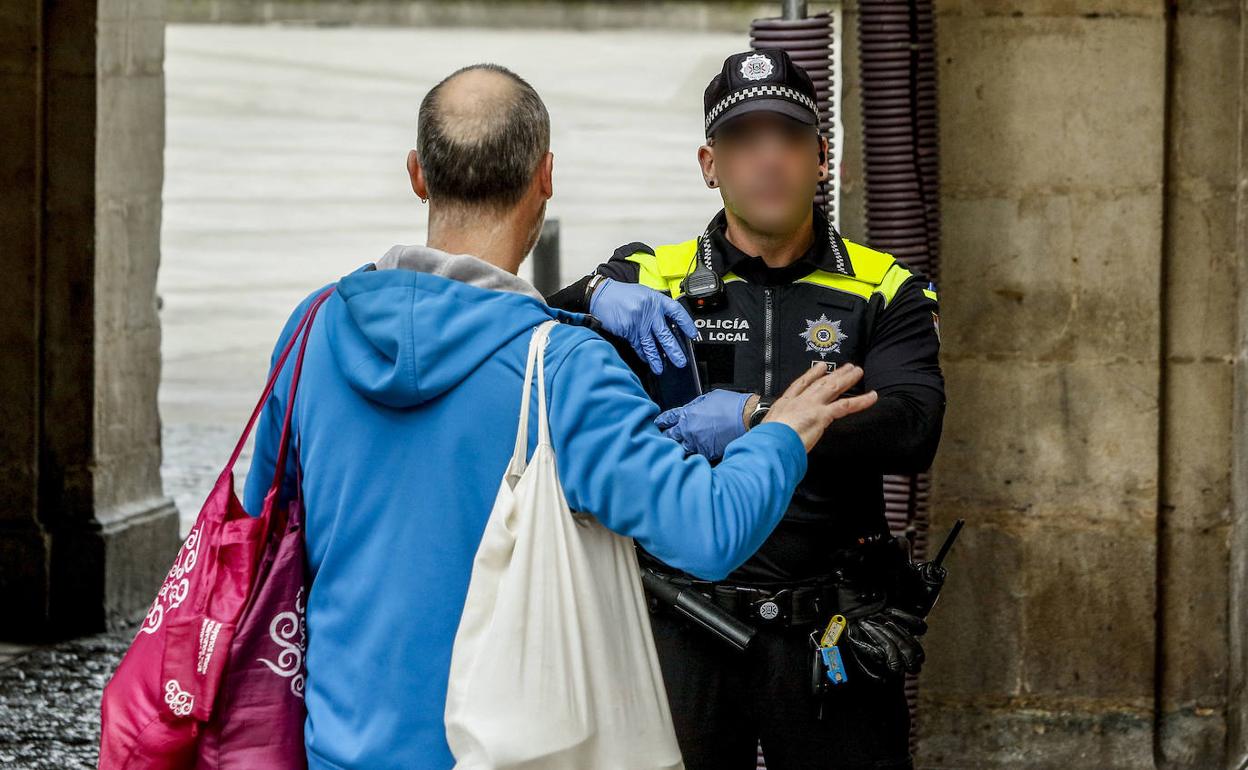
(757, 67)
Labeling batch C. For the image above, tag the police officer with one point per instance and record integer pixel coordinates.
(774, 289)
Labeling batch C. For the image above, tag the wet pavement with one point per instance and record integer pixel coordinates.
(50, 701)
(284, 170)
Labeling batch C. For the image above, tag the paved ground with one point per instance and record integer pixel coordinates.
(49, 702)
(284, 170)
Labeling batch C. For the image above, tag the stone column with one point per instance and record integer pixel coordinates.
(1196, 700)
(1093, 195)
(1237, 620)
(86, 532)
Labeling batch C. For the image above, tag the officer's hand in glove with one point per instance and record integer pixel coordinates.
(706, 424)
(640, 314)
(885, 642)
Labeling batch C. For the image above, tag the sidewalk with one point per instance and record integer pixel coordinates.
(50, 700)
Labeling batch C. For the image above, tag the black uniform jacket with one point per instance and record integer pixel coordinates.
(841, 302)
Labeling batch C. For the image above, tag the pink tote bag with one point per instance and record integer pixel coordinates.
(214, 677)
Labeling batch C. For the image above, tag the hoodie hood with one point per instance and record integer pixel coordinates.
(417, 322)
(458, 267)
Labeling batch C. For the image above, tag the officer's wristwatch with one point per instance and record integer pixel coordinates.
(760, 411)
(591, 285)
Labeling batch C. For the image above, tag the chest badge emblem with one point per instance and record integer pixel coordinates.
(823, 336)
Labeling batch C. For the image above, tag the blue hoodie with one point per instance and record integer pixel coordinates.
(404, 419)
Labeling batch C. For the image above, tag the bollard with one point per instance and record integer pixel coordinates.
(546, 259)
(793, 9)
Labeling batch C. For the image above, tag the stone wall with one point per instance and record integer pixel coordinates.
(1093, 252)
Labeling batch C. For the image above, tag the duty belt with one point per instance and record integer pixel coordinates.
(803, 604)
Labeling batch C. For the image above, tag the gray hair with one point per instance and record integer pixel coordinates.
(484, 155)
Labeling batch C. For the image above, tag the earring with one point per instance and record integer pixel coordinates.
(712, 183)
(424, 200)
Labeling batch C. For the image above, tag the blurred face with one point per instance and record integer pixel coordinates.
(767, 167)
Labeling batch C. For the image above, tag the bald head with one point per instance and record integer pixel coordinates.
(480, 135)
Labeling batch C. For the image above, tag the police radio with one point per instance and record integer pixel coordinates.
(931, 575)
(675, 385)
(703, 287)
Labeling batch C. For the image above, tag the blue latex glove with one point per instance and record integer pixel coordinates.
(706, 424)
(640, 314)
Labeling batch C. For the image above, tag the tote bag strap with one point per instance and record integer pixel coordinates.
(537, 349)
(543, 423)
(283, 444)
(305, 321)
(205, 598)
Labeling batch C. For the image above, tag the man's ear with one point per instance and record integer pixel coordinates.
(546, 175)
(417, 175)
(706, 160)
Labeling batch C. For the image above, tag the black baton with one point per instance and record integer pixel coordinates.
(693, 605)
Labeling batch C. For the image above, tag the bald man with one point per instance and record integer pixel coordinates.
(405, 420)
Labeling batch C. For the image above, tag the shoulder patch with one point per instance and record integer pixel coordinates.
(870, 266)
(629, 249)
(675, 259)
(875, 272)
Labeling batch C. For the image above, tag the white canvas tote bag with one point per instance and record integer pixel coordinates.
(554, 663)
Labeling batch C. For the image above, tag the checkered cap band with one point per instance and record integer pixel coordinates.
(754, 92)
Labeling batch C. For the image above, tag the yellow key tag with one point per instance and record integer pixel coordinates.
(832, 634)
